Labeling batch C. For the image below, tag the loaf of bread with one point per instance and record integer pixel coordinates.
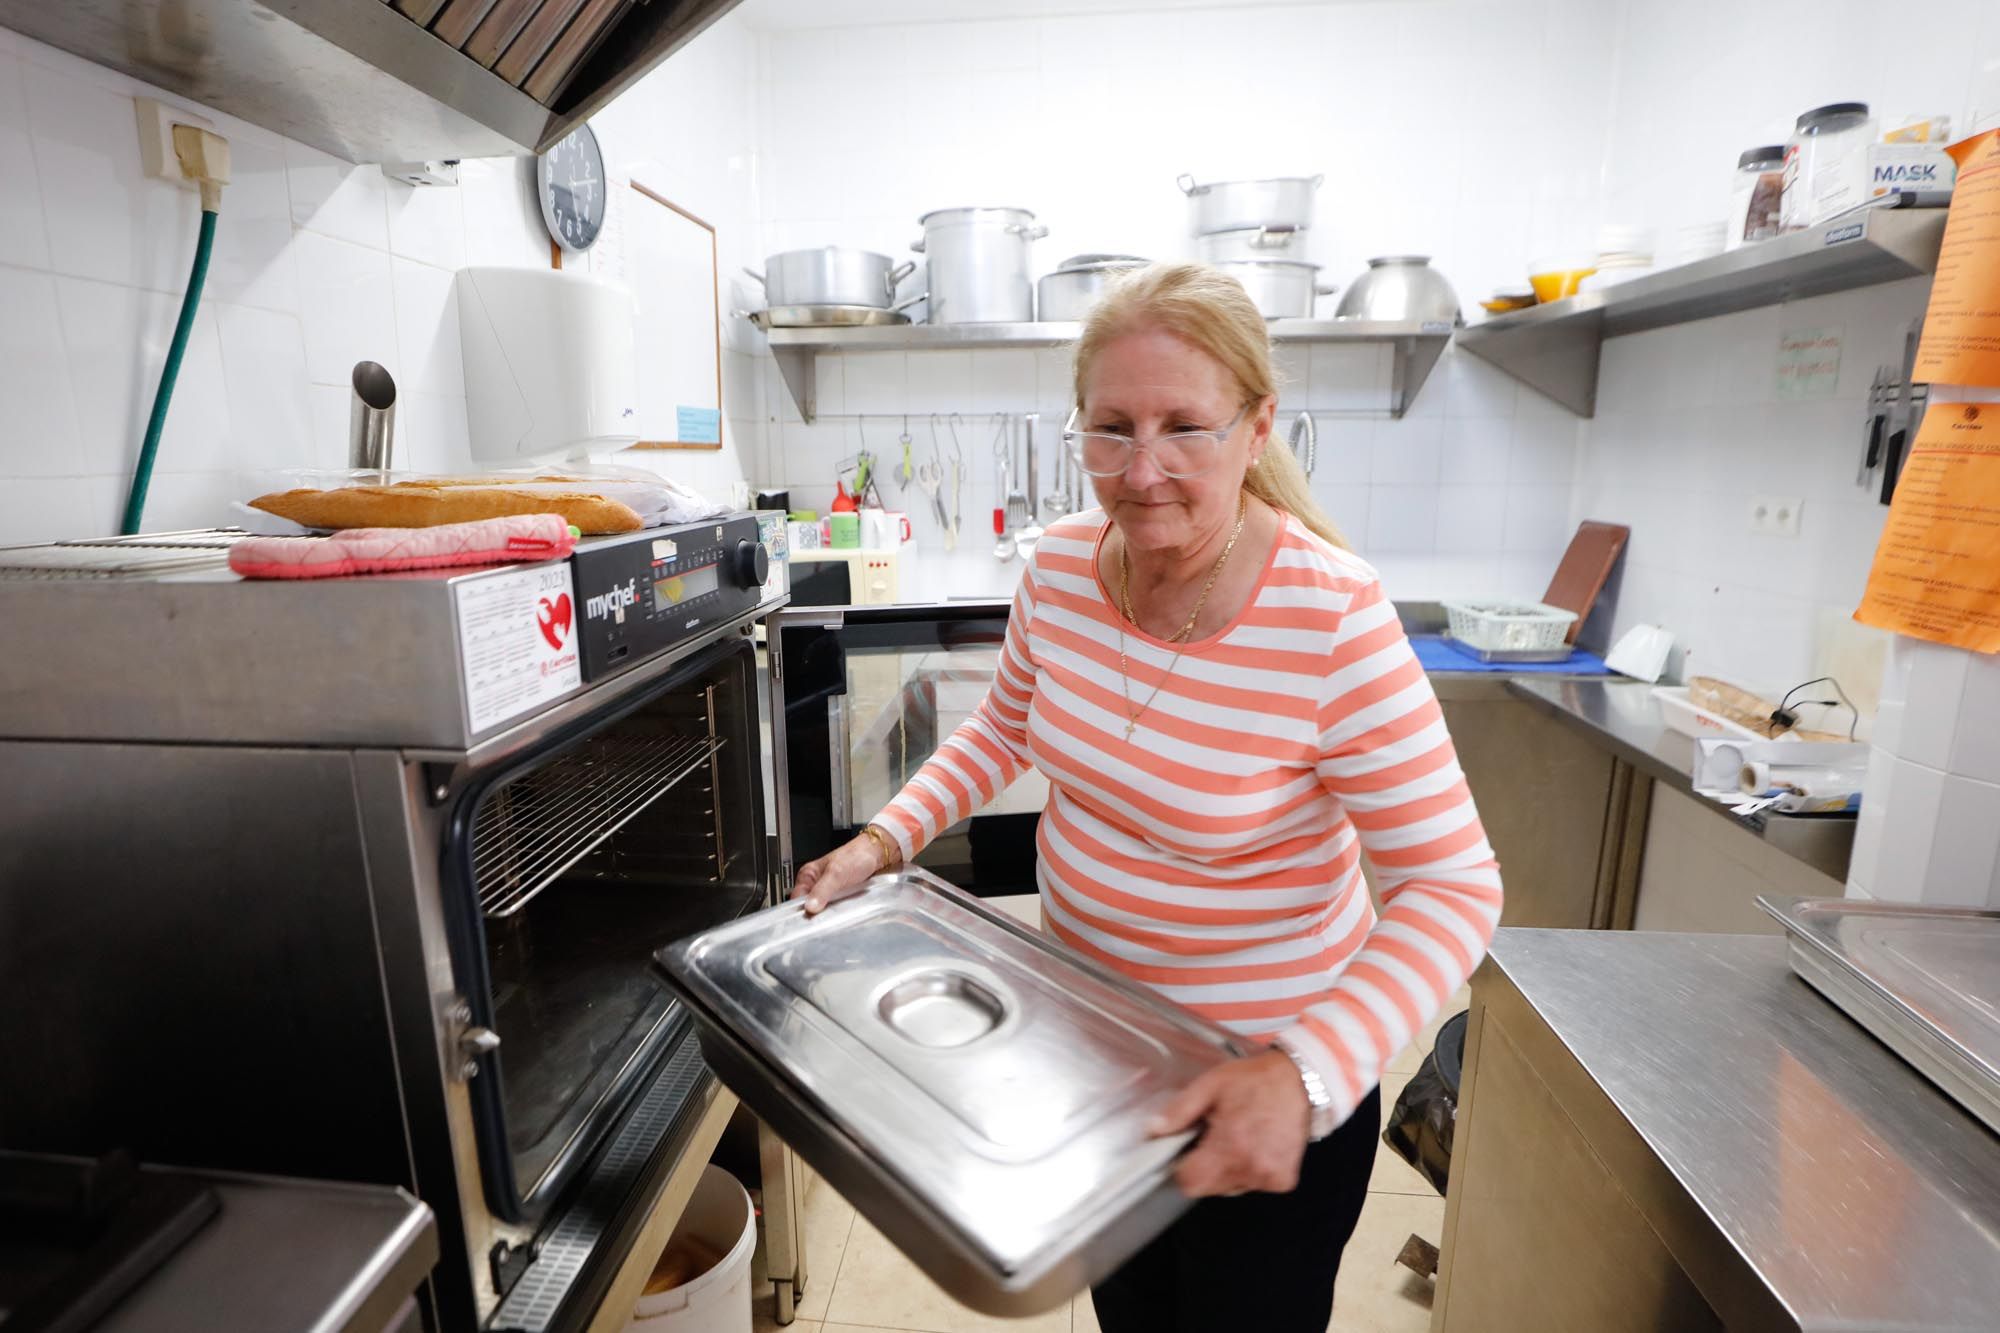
(426, 505)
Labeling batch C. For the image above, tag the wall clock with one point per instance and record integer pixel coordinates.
(569, 178)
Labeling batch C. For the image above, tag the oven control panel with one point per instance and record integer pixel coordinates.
(641, 593)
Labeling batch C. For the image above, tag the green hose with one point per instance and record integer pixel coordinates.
(142, 474)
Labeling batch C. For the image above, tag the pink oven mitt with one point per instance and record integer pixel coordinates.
(489, 541)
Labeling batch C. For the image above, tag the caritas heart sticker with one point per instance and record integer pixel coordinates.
(555, 618)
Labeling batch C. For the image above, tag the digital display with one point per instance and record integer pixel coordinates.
(671, 592)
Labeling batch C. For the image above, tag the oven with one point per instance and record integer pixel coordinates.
(278, 907)
(825, 576)
(864, 695)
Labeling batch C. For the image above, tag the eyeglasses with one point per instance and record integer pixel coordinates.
(1179, 454)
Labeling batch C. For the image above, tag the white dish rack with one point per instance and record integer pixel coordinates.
(1510, 627)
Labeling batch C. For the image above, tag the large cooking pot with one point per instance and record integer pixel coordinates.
(979, 264)
(1070, 291)
(1219, 247)
(1281, 288)
(1401, 287)
(831, 275)
(1279, 203)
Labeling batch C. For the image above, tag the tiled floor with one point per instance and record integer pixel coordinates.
(860, 1283)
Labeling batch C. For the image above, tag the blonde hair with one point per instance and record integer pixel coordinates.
(1210, 310)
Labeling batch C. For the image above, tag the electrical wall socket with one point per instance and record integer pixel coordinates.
(156, 136)
(1775, 515)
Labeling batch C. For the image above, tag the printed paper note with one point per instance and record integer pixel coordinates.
(1961, 342)
(1937, 567)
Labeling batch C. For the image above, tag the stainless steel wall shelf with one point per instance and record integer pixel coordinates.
(1554, 348)
(1416, 346)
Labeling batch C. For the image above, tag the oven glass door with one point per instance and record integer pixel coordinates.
(638, 827)
(866, 694)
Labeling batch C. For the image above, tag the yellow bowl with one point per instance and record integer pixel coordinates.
(1558, 283)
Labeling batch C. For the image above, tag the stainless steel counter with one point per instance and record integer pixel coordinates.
(1623, 717)
(1797, 1172)
(290, 1254)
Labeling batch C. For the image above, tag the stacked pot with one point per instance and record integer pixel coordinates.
(980, 264)
(1256, 232)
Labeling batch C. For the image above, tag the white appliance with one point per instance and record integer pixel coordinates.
(549, 368)
(1642, 652)
(854, 576)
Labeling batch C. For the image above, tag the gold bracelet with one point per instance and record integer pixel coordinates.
(890, 853)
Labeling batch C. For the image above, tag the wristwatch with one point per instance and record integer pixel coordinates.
(1320, 1122)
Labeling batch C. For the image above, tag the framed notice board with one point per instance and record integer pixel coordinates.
(668, 257)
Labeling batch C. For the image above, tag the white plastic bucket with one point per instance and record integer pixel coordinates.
(718, 1301)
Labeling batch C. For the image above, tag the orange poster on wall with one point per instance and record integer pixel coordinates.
(1937, 567)
(1962, 325)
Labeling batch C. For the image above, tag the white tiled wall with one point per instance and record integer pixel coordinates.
(1690, 430)
(1701, 80)
(317, 264)
(689, 132)
(1688, 425)
(1088, 121)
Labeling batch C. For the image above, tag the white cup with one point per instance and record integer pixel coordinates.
(884, 528)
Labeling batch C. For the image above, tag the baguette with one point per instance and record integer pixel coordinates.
(422, 505)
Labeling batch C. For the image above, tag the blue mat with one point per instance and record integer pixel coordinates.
(1435, 654)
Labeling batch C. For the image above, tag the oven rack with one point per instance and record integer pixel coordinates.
(529, 832)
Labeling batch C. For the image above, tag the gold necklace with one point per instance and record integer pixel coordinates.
(1125, 604)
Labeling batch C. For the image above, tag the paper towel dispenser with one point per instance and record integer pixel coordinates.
(549, 364)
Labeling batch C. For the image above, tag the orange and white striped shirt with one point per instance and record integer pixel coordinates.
(1216, 854)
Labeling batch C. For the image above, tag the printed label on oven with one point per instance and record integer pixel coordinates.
(516, 642)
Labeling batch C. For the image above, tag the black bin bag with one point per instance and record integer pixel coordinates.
(1420, 1126)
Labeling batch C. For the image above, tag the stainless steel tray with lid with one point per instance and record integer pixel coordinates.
(1924, 980)
(979, 1093)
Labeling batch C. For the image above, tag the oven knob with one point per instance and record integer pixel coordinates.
(753, 564)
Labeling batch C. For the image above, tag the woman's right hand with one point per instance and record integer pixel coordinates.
(840, 872)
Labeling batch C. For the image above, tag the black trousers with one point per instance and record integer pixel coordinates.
(1262, 1262)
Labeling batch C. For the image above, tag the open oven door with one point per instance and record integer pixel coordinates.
(861, 697)
(565, 865)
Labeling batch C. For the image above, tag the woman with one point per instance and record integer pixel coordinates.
(1228, 715)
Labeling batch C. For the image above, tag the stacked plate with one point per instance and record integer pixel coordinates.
(1696, 240)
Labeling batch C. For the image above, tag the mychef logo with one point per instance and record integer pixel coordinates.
(617, 599)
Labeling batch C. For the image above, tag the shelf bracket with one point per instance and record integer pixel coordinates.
(1414, 360)
(799, 366)
(1559, 361)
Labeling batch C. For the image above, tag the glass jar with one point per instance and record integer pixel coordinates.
(1756, 196)
(1826, 163)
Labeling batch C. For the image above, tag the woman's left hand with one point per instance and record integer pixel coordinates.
(1255, 1120)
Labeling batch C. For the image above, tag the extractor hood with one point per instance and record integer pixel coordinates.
(382, 80)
